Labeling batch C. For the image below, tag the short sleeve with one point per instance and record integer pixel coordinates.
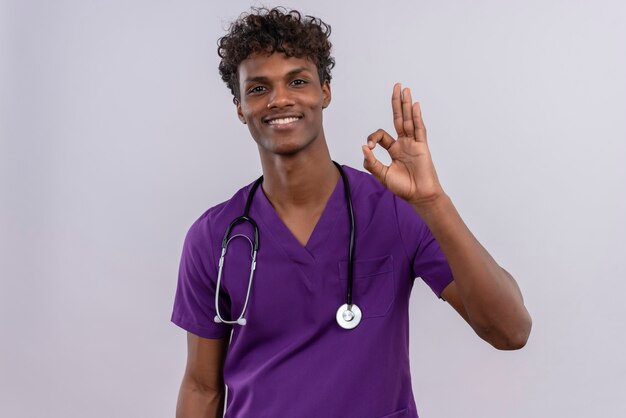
(427, 259)
(194, 303)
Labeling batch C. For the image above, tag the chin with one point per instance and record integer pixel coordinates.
(284, 148)
(286, 151)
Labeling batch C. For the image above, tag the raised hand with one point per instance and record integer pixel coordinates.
(411, 174)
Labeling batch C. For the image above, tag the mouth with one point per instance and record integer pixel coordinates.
(282, 121)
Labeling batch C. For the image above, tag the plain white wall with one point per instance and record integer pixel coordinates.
(117, 132)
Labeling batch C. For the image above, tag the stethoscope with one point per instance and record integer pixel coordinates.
(348, 315)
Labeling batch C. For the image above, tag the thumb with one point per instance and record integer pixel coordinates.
(371, 164)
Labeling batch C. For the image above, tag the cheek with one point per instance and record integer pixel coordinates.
(315, 103)
(247, 114)
(255, 127)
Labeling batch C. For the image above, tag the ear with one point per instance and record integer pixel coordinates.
(239, 112)
(326, 94)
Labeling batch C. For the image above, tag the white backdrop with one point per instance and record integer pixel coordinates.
(117, 133)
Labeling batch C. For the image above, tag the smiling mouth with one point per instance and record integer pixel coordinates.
(283, 121)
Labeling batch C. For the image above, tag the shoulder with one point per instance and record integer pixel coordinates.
(217, 218)
(365, 186)
(368, 192)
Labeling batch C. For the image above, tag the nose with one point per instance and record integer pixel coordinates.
(280, 97)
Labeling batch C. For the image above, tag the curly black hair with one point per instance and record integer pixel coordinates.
(274, 30)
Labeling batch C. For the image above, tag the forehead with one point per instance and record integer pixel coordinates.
(273, 66)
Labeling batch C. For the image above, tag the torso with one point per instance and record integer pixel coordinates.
(291, 352)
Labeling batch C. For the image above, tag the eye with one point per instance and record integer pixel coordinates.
(256, 89)
(298, 82)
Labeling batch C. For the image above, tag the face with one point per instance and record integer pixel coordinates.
(281, 101)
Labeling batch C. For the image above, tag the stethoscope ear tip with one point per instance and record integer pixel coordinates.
(217, 319)
(241, 321)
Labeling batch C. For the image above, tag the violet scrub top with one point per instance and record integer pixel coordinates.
(292, 359)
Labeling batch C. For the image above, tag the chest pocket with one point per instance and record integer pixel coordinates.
(373, 288)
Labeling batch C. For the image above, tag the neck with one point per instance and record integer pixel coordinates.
(299, 181)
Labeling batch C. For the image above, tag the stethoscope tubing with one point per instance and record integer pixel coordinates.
(346, 188)
(254, 245)
(241, 320)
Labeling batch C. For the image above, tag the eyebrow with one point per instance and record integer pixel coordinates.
(291, 73)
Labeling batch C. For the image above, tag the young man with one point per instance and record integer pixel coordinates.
(320, 327)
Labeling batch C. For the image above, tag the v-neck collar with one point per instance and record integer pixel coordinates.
(274, 226)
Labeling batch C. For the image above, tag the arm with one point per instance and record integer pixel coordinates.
(482, 292)
(202, 389)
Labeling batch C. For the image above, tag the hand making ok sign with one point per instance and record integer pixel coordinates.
(411, 174)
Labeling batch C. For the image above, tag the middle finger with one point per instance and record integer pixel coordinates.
(396, 106)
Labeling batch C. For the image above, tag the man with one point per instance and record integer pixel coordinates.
(292, 352)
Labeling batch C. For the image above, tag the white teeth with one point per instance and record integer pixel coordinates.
(282, 121)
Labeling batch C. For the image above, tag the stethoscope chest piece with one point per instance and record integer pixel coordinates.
(348, 317)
